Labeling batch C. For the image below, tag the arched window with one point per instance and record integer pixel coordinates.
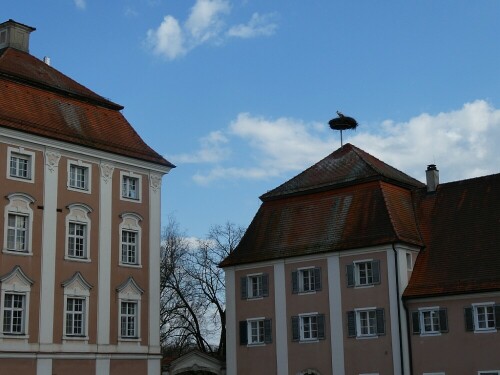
(78, 233)
(129, 310)
(18, 217)
(76, 308)
(130, 240)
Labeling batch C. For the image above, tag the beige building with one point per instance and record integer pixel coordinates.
(355, 268)
(79, 274)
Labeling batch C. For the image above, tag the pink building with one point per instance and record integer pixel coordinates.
(353, 267)
(79, 274)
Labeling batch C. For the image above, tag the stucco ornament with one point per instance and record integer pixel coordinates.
(155, 182)
(52, 159)
(107, 172)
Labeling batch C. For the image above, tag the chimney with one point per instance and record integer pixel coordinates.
(16, 35)
(432, 177)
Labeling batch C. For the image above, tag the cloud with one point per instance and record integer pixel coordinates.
(81, 4)
(206, 23)
(211, 151)
(463, 144)
(257, 26)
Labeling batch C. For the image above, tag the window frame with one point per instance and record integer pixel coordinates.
(438, 326)
(78, 215)
(21, 153)
(124, 195)
(313, 276)
(19, 206)
(87, 169)
(354, 277)
(495, 308)
(129, 293)
(76, 288)
(130, 224)
(354, 326)
(304, 323)
(247, 290)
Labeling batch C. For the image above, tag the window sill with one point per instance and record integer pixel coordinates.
(72, 188)
(367, 337)
(72, 259)
(128, 340)
(15, 252)
(22, 179)
(309, 341)
(254, 298)
(70, 339)
(364, 286)
(134, 200)
(424, 334)
(6, 336)
(257, 344)
(130, 265)
(306, 293)
(487, 330)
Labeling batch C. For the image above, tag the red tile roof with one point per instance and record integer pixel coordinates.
(37, 99)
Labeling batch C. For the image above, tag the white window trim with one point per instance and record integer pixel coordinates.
(24, 152)
(16, 282)
(129, 291)
(483, 372)
(249, 331)
(78, 214)
(130, 222)
(300, 279)
(358, 323)
(301, 328)
(19, 204)
(475, 317)
(357, 274)
(77, 287)
(249, 286)
(80, 163)
(139, 186)
(421, 310)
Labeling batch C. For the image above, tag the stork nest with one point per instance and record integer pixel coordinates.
(343, 123)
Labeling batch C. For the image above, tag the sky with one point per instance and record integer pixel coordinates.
(238, 93)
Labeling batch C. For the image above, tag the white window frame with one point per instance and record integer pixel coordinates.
(124, 175)
(475, 307)
(78, 214)
(359, 327)
(24, 154)
(129, 292)
(434, 311)
(357, 273)
(304, 274)
(19, 205)
(87, 168)
(130, 223)
(77, 288)
(491, 372)
(261, 339)
(17, 283)
(302, 330)
(260, 289)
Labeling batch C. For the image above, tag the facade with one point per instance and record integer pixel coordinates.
(355, 268)
(79, 274)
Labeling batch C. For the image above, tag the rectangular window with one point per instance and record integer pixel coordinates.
(130, 187)
(13, 314)
(306, 280)
(491, 372)
(77, 240)
(308, 327)
(366, 323)
(363, 273)
(129, 247)
(129, 319)
(430, 321)
(17, 232)
(78, 177)
(255, 286)
(483, 317)
(20, 165)
(255, 331)
(75, 317)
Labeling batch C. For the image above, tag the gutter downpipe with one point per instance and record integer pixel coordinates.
(408, 317)
(399, 308)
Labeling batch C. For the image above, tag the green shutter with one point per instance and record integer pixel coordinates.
(376, 271)
(265, 285)
(443, 320)
(497, 316)
(295, 328)
(321, 326)
(317, 278)
(415, 319)
(243, 333)
(350, 275)
(267, 331)
(469, 319)
(244, 288)
(380, 322)
(351, 324)
(295, 282)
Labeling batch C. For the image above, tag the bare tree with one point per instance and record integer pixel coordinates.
(193, 288)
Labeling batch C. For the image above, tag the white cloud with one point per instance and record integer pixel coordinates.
(81, 4)
(205, 23)
(463, 144)
(211, 151)
(257, 26)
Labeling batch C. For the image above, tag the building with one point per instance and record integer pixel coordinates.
(353, 267)
(79, 266)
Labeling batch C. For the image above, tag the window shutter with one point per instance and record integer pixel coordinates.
(351, 324)
(295, 282)
(469, 319)
(376, 271)
(415, 319)
(317, 278)
(265, 285)
(443, 320)
(243, 333)
(321, 326)
(380, 322)
(267, 331)
(295, 328)
(497, 316)
(350, 275)
(244, 288)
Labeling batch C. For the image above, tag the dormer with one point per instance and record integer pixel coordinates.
(16, 35)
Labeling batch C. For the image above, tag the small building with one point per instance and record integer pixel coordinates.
(79, 266)
(353, 267)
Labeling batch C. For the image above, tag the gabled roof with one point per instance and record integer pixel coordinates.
(37, 99)
(346, 165)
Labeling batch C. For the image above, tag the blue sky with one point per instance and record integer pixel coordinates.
(238, 93)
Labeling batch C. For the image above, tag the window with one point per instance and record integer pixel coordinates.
(21, 164)
(76, 305)
(494, 372)
(429, 321)
(369, 322)
(131, 186)
(255, 331)
(18, 222)
(129, 304)
(255, 286)
(306, 280)
(409, 262)
(78, 232)
(483, 317)
(130, 240)
(308, 327)
(363, 273)
(79, 176)
(14, 307)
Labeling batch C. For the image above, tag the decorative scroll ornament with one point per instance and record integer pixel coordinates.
(52, 159)
(107, 172)
(155, 182)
